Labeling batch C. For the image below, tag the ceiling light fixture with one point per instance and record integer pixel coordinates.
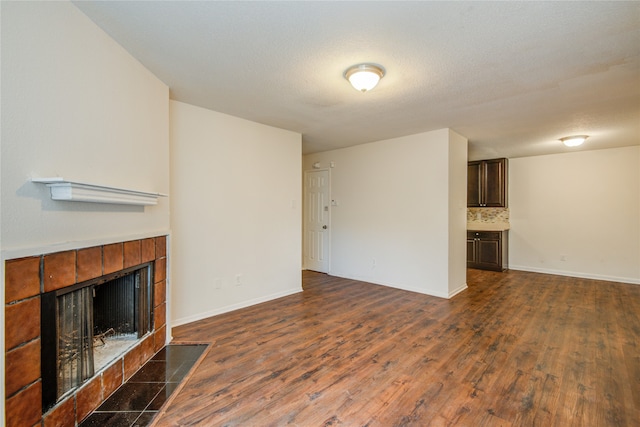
(364, 77)
(574, 141)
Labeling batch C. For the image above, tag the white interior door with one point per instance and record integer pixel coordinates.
(316, 220)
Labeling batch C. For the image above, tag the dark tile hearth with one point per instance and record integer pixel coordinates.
(137, 401)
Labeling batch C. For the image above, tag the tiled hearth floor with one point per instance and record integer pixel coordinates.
(137, 401)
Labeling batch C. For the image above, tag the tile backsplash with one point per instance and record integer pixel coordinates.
(488, 215)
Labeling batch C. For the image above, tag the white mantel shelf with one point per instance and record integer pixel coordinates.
(71, 191)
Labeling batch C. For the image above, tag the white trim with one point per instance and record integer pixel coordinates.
(167, 299)
(72, 191)
(629, 280)
(233, 307)
(455, 292)
(66, 246)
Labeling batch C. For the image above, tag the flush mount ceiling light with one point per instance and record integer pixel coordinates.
(364, 77)
(574, 141)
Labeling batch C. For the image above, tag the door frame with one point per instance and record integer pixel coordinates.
(304, 218)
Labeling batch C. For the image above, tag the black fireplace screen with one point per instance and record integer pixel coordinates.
(87, 325)
(75, 334)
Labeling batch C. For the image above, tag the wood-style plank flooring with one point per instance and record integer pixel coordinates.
(515, 349)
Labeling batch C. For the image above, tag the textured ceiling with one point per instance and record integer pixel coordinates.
(512, 77)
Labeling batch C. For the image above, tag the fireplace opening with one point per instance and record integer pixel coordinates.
(88, 325)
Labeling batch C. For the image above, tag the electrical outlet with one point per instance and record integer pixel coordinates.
(563, 257)
(238, 279)
(217, 283)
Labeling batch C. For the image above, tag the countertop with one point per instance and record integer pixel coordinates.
(487, 226)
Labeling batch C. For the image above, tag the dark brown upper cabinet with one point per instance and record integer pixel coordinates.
(487, 183)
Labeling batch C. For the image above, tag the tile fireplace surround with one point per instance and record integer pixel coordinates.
(25, 280)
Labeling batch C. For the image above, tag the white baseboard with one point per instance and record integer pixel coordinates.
(457, 291)
(422, 291)
(633, 281)
(233, 307)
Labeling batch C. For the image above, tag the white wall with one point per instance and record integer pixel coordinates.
(457, 212)
(402, 203)
(236, 209)
(584, 206)
(77, 105)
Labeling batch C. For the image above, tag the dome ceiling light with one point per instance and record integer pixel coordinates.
(364, 77)
(574, 141)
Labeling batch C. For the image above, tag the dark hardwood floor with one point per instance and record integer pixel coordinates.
(515, 349)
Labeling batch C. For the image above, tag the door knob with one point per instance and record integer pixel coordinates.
(324, 227)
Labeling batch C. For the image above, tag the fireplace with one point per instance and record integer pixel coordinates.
(87, 326)
(37, 281)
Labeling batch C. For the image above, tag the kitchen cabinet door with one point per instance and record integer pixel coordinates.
(487, 250)
(471, 250)
(474, 184)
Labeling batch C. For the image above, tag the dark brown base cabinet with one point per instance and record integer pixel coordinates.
(488, 250)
